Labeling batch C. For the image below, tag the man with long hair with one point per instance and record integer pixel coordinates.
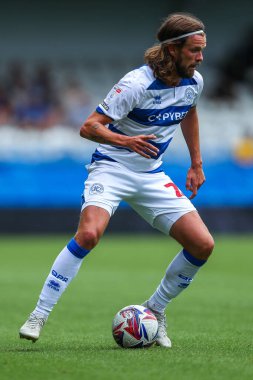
(134, 125)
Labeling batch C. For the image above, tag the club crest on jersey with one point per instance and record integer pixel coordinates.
(97, 188)
(189, 95)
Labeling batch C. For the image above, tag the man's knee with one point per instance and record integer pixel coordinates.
(209, 245)
(204, 247)
(87, 239)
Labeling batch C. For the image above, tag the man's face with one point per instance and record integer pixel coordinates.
(189, 56)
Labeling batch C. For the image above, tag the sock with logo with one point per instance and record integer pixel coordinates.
(178, 277)
(64, 269)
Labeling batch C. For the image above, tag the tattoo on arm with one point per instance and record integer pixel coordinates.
(95, 126)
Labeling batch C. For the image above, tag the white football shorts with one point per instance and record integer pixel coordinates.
(152, 195)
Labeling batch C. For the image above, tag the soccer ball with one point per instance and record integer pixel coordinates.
(134, 326)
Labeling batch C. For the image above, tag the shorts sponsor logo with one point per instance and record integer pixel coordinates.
(59, 276)
(189, 95)
(54, 285)
(97, 188)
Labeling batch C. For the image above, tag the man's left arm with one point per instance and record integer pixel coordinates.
(190, 128)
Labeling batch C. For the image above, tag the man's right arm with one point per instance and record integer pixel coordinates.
(95, 129)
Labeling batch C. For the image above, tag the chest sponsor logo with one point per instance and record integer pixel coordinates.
(172, 116)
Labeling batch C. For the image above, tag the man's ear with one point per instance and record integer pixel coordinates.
(172, 50)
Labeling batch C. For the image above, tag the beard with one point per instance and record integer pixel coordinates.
(184, 72)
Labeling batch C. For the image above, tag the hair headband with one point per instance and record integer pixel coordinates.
(182, 36)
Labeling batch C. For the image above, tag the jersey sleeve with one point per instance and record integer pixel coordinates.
(200, 84)
(122, 98)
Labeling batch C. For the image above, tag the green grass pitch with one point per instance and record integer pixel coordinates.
(210, 323)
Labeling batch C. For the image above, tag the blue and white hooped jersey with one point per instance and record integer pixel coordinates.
(141, 104)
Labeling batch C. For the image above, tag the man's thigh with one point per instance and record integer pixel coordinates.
(157, 196)
(94, 218)
(107, 184)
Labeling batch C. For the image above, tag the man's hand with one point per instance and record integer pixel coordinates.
(140, 145)
(195, 178)
(95, 129)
